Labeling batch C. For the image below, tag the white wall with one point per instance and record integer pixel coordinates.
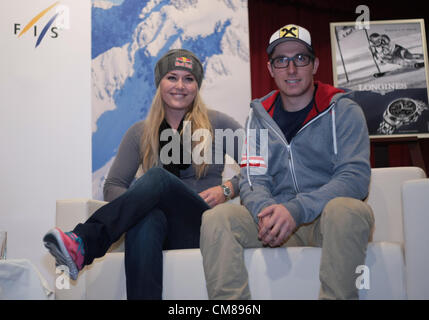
(45, 125)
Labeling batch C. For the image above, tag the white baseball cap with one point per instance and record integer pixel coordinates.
(288, 33)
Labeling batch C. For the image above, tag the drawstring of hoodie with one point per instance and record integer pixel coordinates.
(334, 132)
(248, 149)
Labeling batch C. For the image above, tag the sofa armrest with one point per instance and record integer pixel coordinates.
(70, 212)
(386, 201)
(415, 199)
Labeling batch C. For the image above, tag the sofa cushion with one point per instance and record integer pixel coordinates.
(292, 273)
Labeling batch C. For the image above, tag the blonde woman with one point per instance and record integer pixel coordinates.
(162, 209)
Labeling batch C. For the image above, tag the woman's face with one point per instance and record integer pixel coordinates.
(178, 90)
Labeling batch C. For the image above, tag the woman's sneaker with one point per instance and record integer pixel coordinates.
(67, 249)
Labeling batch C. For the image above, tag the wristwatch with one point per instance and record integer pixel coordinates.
(226, 192)
(400, 112)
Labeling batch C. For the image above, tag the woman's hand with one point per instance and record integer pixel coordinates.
(213, 196)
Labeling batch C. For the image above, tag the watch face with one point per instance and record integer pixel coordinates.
(226, 191)
(402, 108)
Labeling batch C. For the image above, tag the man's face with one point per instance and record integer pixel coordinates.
(293, 81)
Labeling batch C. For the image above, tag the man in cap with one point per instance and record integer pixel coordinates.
(303, 180)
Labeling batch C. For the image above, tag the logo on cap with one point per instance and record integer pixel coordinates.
(183, 62)
(289, 31)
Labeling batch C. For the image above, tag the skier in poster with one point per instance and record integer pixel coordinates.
(386, 51)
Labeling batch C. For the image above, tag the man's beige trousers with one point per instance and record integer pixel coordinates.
(342, 231)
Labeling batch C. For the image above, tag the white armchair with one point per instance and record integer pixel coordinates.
(397, 258)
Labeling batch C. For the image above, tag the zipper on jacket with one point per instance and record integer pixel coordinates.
(295, 182)
(289, 146)
(290, 157)
(317, 117)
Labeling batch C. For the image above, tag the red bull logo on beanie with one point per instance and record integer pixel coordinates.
(183, 62)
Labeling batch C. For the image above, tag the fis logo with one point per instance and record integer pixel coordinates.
(59, 20)
(183, 62)
(289, 31)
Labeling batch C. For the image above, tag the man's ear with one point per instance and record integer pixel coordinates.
(270, 69)
(315, 65)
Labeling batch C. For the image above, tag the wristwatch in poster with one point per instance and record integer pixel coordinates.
(400, 112)
(226, 192)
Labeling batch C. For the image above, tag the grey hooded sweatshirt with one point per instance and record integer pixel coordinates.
(327, 158)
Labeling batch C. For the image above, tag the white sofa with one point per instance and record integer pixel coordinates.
(397, 258)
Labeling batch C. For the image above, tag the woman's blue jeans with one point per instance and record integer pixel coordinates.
(158, 212)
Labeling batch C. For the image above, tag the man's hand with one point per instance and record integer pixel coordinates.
(275, 225)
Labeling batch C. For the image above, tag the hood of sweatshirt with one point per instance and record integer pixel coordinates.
(322, 100)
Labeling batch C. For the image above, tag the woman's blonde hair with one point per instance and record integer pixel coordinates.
(149, 145)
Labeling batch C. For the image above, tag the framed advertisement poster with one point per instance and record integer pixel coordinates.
(386, 66)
